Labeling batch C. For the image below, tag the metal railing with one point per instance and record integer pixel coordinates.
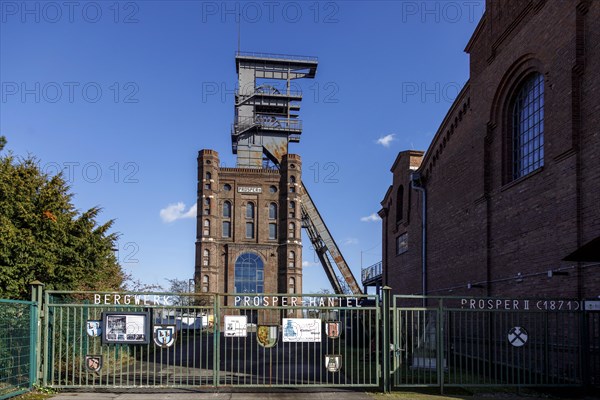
(284, 340)
(18, 333)
(266, 123)
(372, 272)
(275, 93)
(121, 340)
(470, 342)
(274, 56)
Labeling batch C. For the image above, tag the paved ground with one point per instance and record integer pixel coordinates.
(338, 395)
(308, 395)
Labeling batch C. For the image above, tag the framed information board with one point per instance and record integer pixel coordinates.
(125, 327)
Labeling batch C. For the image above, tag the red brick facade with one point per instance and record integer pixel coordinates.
(488, 233)
(217, 251)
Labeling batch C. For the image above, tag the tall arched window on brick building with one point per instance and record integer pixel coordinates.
(400, 203)
(227, 209)
(272, 211)
(292, 285)
(205, 283)
(527, 126)
(250, 210)
(292, 259)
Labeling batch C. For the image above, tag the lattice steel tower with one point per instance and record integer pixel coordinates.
(254, 212)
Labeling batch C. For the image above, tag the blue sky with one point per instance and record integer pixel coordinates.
(122, 95)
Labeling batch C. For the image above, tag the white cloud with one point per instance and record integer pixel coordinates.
(309, 264)
(371, 218)
(386, 140)
(176, 211)
(350, 241)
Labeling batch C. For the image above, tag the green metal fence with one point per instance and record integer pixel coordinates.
(451, 341)
(219, 340)
(96, 340)
(18, 333)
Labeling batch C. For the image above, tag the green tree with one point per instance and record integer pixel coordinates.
(43, 237)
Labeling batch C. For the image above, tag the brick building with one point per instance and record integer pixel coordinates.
(248, 227)
(510, 185)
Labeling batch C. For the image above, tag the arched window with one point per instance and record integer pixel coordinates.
(272, 231)
(249, 274)
(249, 230)
(292, 179)
(291, 259)
(226, 229)
(250, 210)
(205, 283)
(206, 206)
(206, 230)
(208, 176)
(292, 285)
(206, 223)
(292, 205)
(527, 123)
(292, 230)
(227, 209)
(400, 203)
(206, 253)
(272, 211)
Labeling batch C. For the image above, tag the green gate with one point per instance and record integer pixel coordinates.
(453, 341)
(192, 340)
(18, 333)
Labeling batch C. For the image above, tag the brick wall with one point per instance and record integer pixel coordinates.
(482, 227)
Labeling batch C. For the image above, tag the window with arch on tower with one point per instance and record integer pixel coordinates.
(250, 210)
(205, 283)
(399, 203)
(226, 209)
(272, 211)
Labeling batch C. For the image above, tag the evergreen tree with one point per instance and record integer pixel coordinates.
(43, 237)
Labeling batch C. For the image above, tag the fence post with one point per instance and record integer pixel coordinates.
(216, 339)
(440, 343)
(37, 289)
(385, 345)
(584, 349)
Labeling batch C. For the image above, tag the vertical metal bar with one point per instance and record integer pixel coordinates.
(584, 349)
(216, 334)
(36, 297)
(546, 348)
(73, 345)
(60, 343)
(440, 351)
(46, 358)
(386, 338)
(33, 342)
